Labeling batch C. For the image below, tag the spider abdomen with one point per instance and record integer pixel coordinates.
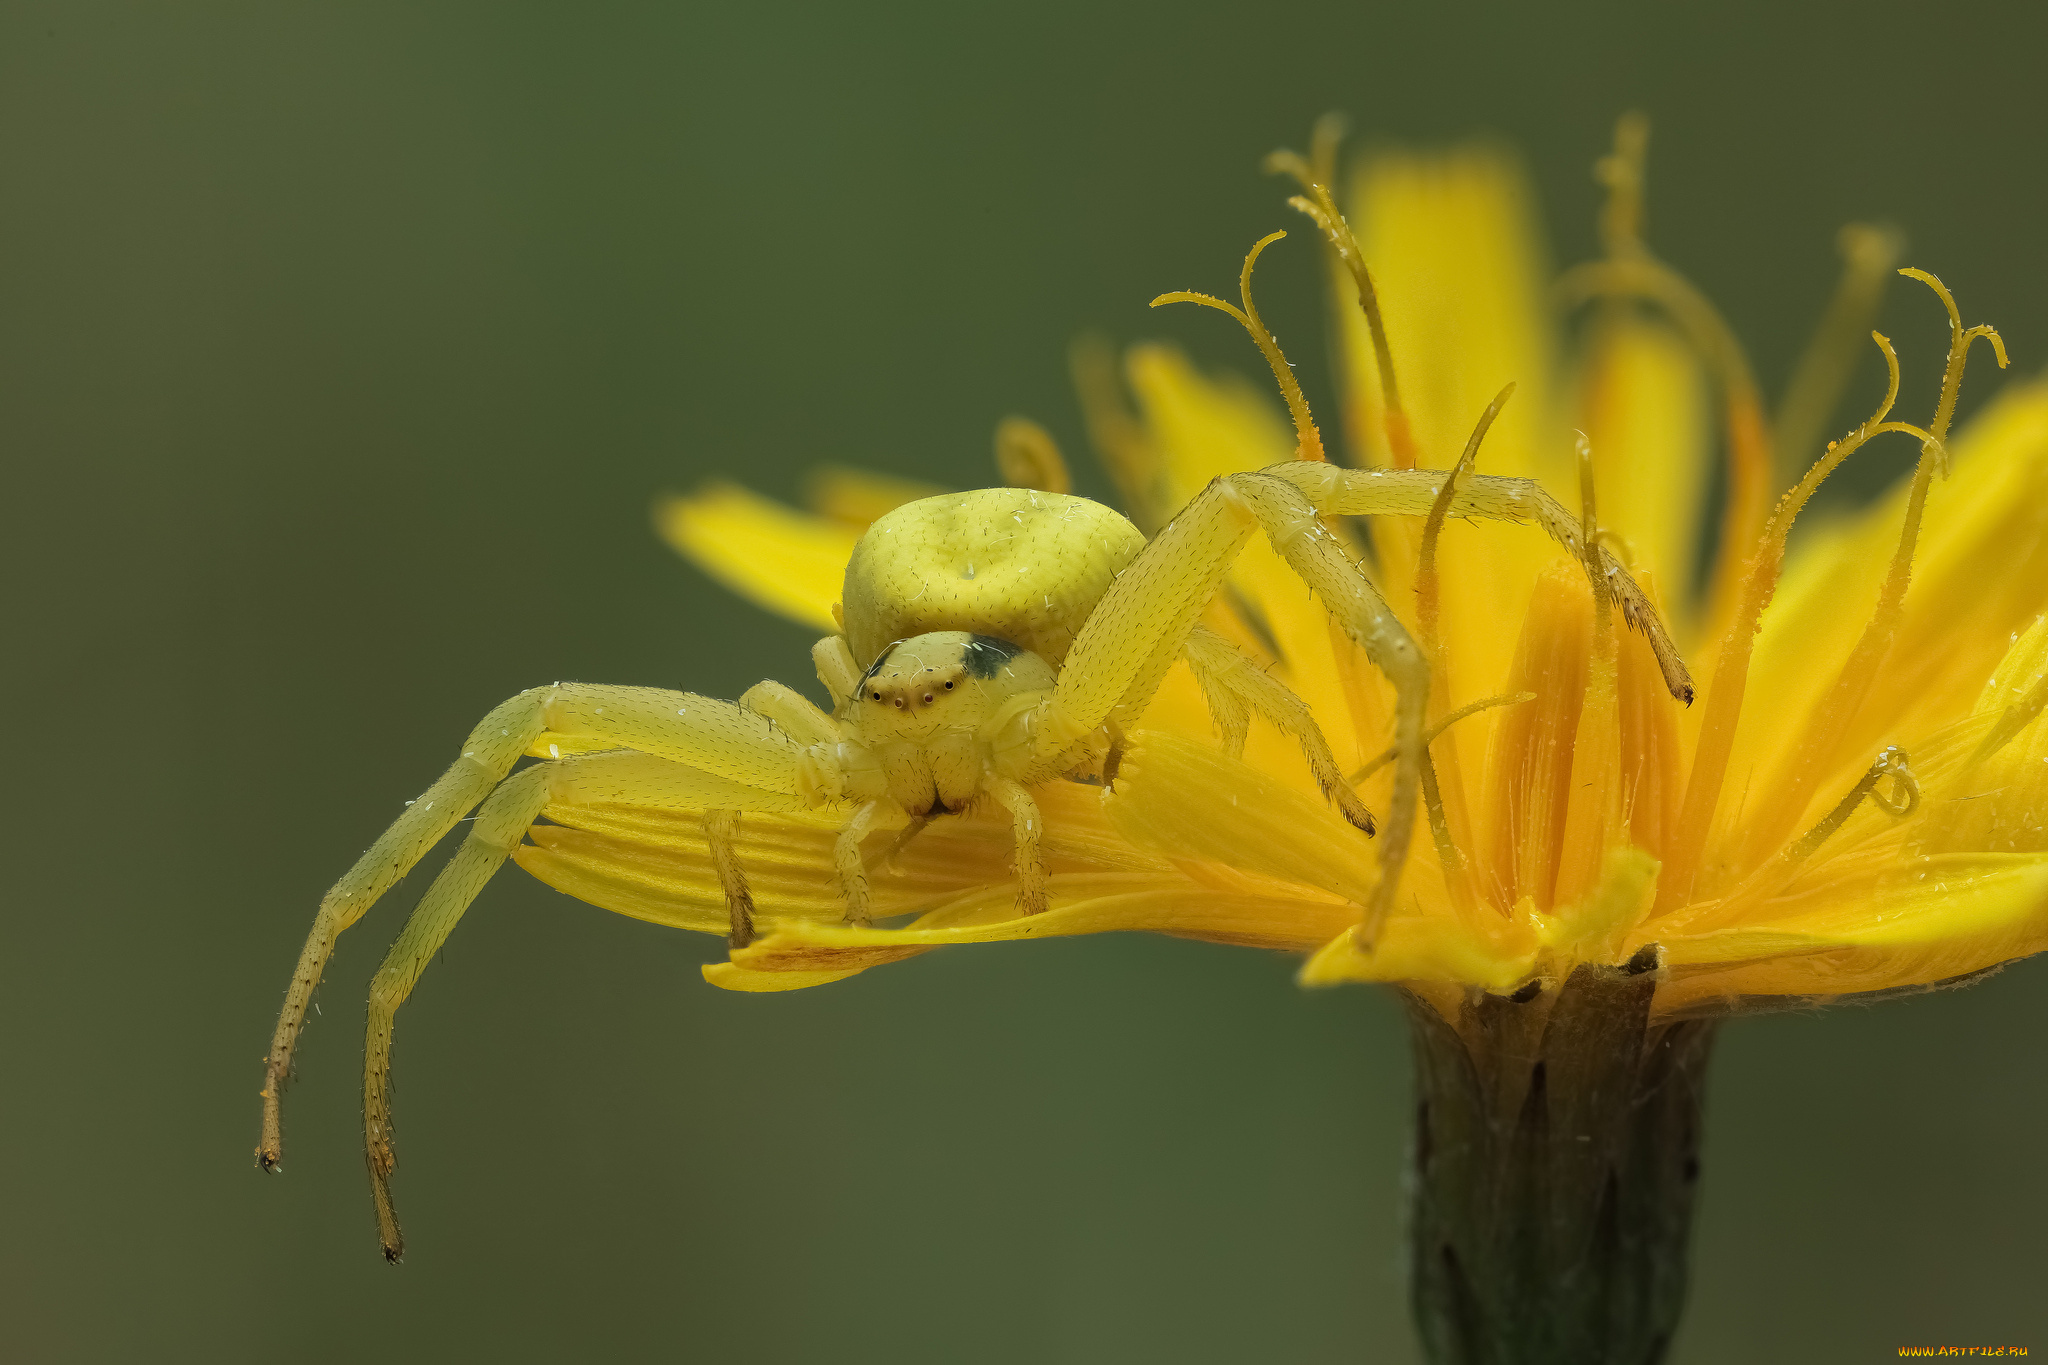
(1012, 563)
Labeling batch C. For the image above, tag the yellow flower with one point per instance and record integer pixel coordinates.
(1857, 803)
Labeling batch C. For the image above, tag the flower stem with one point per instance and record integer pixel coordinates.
(1556, 1155)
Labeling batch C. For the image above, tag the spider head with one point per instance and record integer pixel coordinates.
(943, 683)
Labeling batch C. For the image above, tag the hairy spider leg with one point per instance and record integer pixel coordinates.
(619, 777)
(1234, 686)
(1145, 619)
(492, 748)
(846, 859)
(717, 754)
(1026, 824)
(497, 830)
(804, 722)
(797, 714)
(721, 837)
(1412, 492)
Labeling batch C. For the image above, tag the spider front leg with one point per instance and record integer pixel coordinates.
(1146, 619)
(1026, 825)
(1412, 492)
(852, 869)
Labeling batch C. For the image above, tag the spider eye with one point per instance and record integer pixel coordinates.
(878, 696)
(927, 699)
(949, 687)
(899, 703)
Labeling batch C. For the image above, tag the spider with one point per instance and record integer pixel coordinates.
(991, 642)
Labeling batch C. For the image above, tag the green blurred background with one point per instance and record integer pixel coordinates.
(342, 350)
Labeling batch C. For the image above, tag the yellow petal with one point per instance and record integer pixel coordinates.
(726, 976)
(1980, 576)
(1529, 763)
(2000, 803)
(787, 561)
(1592, 929)
(654, 864)
(1097, 904)
(1415, 948)
(1929, 920)
(1189, 801)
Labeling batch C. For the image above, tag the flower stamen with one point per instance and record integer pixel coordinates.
(1310, 442)
(1593, 815)
(1472, 708)
(1028, 457)
(1315, 175)
(1632, 272)
(2015, 719)
(1901, 803)
(1731, 672)
(1958, 352)
(1428, 606)
(1832, 716)
(1428, 591)
(1457, 868)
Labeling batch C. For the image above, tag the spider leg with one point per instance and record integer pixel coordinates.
(791, 710)
(1411, 492)
(833, 659)
(498, 829)
(721, 834)
(1145, 619)
(853, 871)
(1228, 707)
(1026, 824)
(1234, 686)
(620, 777)
(718, 755)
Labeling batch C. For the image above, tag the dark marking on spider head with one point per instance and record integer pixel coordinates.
(985, 655)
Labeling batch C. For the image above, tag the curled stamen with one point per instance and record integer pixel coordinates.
(1831, 716)
(1630, 271)
(1315, 175)
(1904, 798)
(1310, 441)
(1891, 392)
(2016, 718)
(1731, 674)
(1958, 351)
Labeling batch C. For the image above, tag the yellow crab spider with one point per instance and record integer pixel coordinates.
(991, 642)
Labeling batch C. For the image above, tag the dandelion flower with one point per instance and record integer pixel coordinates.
(1857, 804)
